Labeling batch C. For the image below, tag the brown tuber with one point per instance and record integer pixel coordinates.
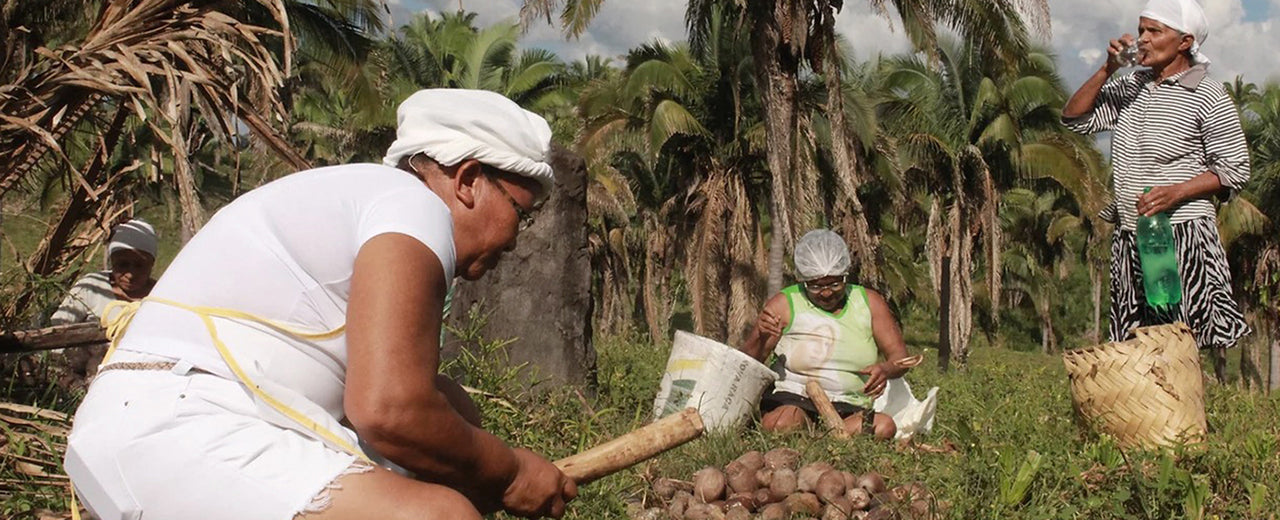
(807, 477)
(803, 503)
(679, 503)
(833, 512)
(703, 512)
(666, 488)
(850, 481)
(752, 460)
(830, 486)
(765, 496)
(858, 497)
(783, 483)
(737, 512)
(780, 458)
(774, 512)
(764, 477)
(740, 478)
(746, 500)
(872, 482)
(708, 484)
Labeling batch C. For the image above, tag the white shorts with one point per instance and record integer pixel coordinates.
(159, 444)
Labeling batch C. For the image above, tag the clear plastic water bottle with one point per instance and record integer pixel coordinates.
(1159, 261)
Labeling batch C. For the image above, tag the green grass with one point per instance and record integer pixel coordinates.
(1019, 451)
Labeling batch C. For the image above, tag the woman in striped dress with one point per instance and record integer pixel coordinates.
(1178, 133)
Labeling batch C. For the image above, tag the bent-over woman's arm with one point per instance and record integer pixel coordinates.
(392, 400)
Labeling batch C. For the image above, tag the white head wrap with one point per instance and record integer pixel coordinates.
(820, 253)
(453, 125)
(1182, 15)
(135, 234)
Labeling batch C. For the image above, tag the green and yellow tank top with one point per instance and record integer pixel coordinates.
(827, 348)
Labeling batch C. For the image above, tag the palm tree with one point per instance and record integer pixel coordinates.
(966, 130)
(1051, 239)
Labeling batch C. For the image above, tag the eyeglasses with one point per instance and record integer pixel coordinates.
(526, 217)
(814, 286)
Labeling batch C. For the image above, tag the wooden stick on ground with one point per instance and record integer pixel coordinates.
(633, 448)
(826, 409)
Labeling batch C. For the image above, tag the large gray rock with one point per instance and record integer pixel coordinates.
(540, 293)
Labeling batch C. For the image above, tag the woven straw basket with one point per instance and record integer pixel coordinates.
(1147, 391)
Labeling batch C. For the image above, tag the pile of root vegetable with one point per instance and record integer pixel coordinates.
(775, 485)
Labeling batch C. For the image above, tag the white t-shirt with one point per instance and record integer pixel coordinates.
(85, 300)
(285, 252)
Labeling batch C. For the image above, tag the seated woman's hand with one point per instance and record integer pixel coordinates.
(769, 323)
(539, 489)
(877, 379)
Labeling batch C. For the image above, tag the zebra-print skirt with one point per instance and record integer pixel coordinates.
(1207, 306)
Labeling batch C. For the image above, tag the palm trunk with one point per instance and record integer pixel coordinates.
(863, 242)
(944, 316)
(1273, 375)
(992, 238)
(776, 77)
(961, 285)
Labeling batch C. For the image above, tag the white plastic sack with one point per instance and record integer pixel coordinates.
(722, 383)
(912, 416)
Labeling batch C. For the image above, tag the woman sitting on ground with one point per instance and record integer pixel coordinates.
(828, 330)
(131, 255)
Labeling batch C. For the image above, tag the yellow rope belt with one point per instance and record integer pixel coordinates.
(118, 314)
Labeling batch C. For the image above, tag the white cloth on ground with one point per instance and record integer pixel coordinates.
(452, 125)
(912, 416)
(1182, 15)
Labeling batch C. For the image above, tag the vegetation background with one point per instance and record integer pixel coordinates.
(965, 200)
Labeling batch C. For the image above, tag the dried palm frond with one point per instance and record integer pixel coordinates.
(157, 57)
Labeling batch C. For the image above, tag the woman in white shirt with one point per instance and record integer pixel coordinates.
(313, 301)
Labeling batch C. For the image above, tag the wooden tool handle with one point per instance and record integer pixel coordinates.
(633, 448)
(826, 409)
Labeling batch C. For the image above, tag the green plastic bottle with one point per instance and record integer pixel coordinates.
(1159, 259)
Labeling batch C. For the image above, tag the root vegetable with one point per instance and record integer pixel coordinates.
(830, 486)
(872, 482)
(807, 477)
(741, 479)
(803, 503)
(702, 512)
(764, 477)
(920, 509)
(881, 514)
(666, 488)
(774, 512)
(752, 460)
(679, 503)
(850, 481)
(858, 497)
(842, 504)
(746, 500)
(858, 515)
(831, 512)
(779, 458)
(708, 484)
(764, 496)
(737, 512)
(783, 483)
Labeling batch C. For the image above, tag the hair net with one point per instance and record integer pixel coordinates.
(134, 234)
(820, 253)
(453, 125)
(1182, 15)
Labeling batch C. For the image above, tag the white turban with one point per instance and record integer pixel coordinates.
(453, 125)
(821, 253)
(135, 234)
(1182, 15)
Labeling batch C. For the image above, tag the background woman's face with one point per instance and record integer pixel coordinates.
(131, 269)
(1158, 45)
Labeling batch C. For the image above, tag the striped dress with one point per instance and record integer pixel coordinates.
(1168, 132)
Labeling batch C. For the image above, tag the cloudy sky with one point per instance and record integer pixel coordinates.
(1241, 39)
